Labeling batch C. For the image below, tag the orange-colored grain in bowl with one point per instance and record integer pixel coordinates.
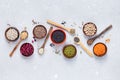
(100, 49)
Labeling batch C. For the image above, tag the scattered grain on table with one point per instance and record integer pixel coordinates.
(63, 23)
(107, 40)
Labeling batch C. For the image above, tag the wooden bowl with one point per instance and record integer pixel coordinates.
(11, 34)
(58, 36)
(100, 49)
(39, 31)
(89, 29)
(68, 51)
(27, 49)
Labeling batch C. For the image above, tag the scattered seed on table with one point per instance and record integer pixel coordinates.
(107, 40)
(63, 22)
(8, 24)
(34, 22)
(52, 45)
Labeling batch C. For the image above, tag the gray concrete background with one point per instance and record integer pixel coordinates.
(51, 66)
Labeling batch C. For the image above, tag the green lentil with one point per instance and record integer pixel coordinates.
(69, 51)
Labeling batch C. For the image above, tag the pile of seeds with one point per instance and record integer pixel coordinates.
(39, 31)
(27, 49)
(58, 36)
(69, 51)
(100, 49)
(12, 34)
(89, 29)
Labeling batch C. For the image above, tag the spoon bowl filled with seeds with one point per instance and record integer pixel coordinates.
(77, 41)
(70, 30)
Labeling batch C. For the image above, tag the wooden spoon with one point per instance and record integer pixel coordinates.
(23, 36)
(41, 49)
(70, 30)
(91, 40)
(77, 41)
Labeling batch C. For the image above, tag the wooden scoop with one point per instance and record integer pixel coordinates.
(91, 40)
(41, 49)
(70, 30)
(23, 36)
(77, 41)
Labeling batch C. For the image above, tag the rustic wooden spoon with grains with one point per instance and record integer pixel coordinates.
(77, 41)
(70, 30)
(41, 49)
(91, 40)
(23, 36)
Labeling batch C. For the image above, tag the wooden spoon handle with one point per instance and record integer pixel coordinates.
(51, 28)
(105, 30)
(15, 48)
(85, 49)
(57, 25)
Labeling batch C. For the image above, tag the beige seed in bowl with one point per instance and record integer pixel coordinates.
(12, 34)
(89, 29)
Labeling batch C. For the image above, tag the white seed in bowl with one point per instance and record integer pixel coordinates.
(89, 29)
(12, 34)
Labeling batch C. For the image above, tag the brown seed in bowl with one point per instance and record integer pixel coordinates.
(89, 29)
(11, 34)
(39, 31)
